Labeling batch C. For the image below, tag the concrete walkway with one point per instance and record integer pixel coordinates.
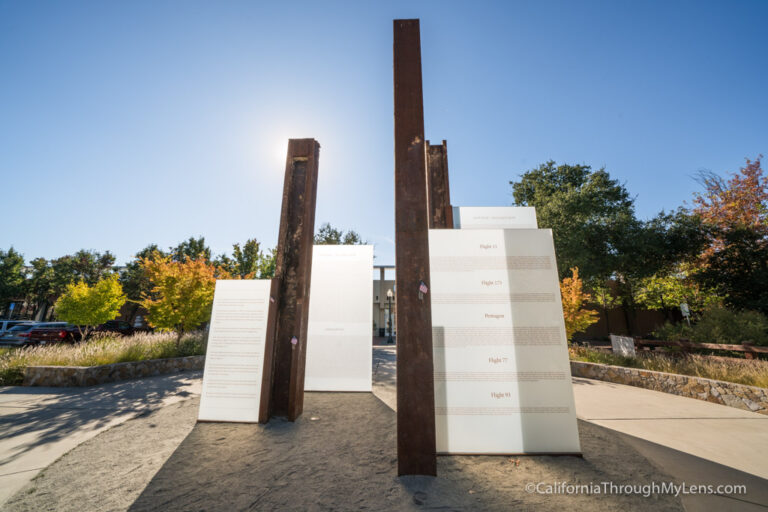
(39, 425)
(725, 435)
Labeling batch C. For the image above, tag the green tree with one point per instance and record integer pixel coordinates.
(246, 261)
(12, 277)
(133, 278)
(739, 270)
(661, 292)
(135, 281)
(267, 264)
(667, 291)
(328, 235)
(657, 246)
(48, 280)
(194, 249)
(87, 306)
(594, 226)
(604, 296)
(88, 266)
(40, 288)
(585, 209)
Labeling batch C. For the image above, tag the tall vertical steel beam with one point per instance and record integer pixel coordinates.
(438, 190)
(415, 385)
(289, 311)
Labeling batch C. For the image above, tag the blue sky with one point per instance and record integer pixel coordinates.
(129, 123)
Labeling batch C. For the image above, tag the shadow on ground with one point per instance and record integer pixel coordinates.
(340, 455)
(64, 411)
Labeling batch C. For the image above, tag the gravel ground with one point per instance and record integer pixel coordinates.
(340, 455)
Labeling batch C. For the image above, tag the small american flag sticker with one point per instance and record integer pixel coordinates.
(423, 287)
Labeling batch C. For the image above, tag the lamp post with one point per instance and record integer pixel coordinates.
(389, 309)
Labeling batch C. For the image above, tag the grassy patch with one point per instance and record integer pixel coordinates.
(105, 350)
(741, 371)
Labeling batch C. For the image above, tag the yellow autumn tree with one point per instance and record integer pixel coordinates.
(577, 317)
(182, 293)
(87, 306)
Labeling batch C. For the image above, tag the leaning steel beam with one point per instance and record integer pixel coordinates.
(283, 394)
(438, 191)
(415, 385)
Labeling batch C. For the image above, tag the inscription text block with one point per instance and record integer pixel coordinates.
(235, 355)
(502, 375)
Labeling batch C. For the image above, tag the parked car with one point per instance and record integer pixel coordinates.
(19, 335)
(63, 332)
(6, 325)
(116, 326)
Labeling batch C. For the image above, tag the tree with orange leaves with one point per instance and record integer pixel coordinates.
(574, 298)
(182, 292)
(736, 212)
(740, 202)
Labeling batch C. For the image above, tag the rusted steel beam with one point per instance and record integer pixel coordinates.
(269, 354)
(293, 267)
(438, 190)
(415, 385)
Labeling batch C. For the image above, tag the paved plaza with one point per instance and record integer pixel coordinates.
(692, 440)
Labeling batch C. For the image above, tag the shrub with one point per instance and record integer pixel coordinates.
(673, 331)
(720, 325)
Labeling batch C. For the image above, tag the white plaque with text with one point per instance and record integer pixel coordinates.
(339, 344)
(502, 374)
(235, 356)
(623, 345)
(494, 217)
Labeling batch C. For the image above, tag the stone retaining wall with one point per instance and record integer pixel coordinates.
(64, 376)
(748, 398)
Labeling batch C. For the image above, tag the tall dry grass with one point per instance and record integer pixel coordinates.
(752, 372)
(104, 350)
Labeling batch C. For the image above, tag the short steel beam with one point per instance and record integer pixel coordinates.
(287, 334)
(438, 190)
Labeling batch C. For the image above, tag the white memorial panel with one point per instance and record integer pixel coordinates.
(502, 374)
(494, 217)
(339, 345)
(235, 356)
